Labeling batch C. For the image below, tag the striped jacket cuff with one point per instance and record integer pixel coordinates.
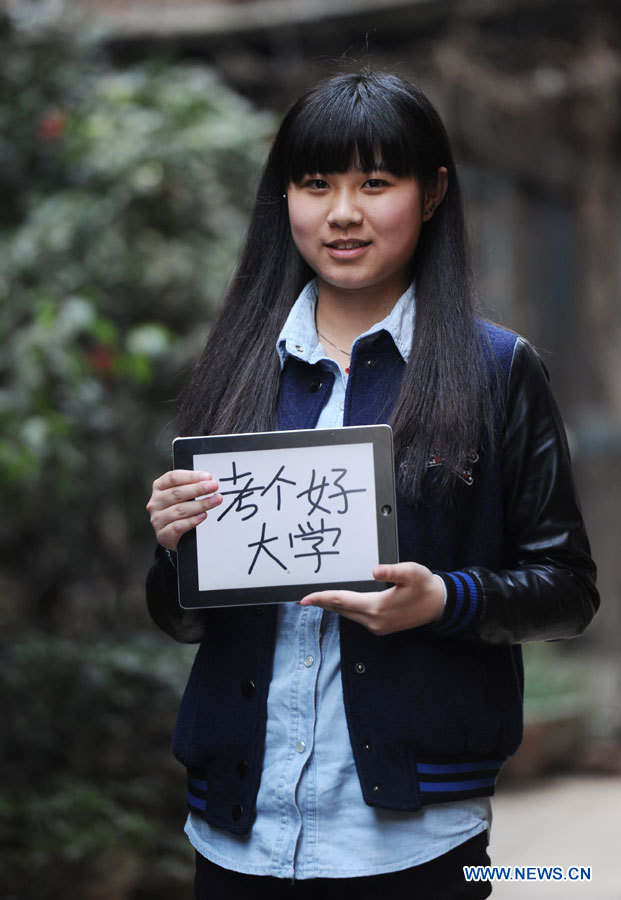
(464, 604)
(197, 793)
(441, 781)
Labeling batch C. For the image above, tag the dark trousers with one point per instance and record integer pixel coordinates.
(439, 879)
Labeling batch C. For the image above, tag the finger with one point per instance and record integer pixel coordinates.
(161, 499)
(358, 607)
(164, 515)
(177, 477)
(169, 535)
(336, 600)
(196, 490)
(397, 573)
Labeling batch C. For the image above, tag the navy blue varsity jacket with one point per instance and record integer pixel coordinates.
(432, 712)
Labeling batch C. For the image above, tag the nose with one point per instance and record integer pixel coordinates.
(344, 210)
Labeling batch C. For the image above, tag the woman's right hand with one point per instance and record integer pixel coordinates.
(173, 507)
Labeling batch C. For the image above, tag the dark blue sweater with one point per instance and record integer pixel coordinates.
(432, 712)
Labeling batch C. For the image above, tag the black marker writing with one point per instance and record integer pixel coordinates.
(314, 493)
(235, 477)
(240, 494)
(342, 493)
(277, 480)
(260, 545)
(316, 536)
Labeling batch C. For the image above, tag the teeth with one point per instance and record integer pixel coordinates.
(348, 245)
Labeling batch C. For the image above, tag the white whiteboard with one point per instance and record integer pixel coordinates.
(292, 515)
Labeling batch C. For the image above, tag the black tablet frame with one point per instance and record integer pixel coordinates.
(186, 448)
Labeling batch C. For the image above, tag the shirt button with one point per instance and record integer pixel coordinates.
(300, 746)
(309, 661)
(341, 406)
(360, 668)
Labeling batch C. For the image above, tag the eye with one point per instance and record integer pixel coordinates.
(375, 183)
(315, 184)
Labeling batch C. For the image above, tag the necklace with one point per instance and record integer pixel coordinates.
(336, 347)
(332, 344)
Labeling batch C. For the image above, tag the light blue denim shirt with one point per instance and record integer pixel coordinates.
(311, 820)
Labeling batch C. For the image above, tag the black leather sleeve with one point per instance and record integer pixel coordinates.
(184, 625)
(548, 591)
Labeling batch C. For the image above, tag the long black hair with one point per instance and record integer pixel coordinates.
(359, 120)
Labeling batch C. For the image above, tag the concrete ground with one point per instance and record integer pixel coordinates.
(572, 820)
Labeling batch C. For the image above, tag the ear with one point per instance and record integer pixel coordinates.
(434, 194)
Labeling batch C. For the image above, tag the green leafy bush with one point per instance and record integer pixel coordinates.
(90, 788)
(125, 199)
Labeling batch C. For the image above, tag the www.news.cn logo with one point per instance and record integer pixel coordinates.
(527, 873)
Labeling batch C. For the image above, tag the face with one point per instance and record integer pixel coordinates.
(357, 230)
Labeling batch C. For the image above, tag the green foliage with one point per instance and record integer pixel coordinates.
(552, 686)
(125, 196)
(124, 201)
(88, 779)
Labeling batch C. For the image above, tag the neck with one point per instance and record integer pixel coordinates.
(344, 315)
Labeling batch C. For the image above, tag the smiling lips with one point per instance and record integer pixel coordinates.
(346, 249)
(347, 245)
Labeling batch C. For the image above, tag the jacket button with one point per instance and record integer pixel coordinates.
(376, 788)
(360, 668)
(369, 363)
(315, 386)
(248, 688)
(367, 747)
(241, 767)
(237, 812)
(258, 610)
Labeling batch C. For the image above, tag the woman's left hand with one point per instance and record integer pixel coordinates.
(417, 598)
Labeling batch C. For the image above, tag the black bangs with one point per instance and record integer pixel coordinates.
(351, 125)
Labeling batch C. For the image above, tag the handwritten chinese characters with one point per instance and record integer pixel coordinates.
(299, 515)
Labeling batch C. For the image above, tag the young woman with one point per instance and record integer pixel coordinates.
(359, 735)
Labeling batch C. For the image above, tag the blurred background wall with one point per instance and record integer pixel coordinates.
(131, 137)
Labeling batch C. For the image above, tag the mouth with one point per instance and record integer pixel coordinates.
(353, 244)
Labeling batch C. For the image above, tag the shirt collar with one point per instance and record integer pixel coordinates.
(298, 336)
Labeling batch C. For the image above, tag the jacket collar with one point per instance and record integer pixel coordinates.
(298, 336)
